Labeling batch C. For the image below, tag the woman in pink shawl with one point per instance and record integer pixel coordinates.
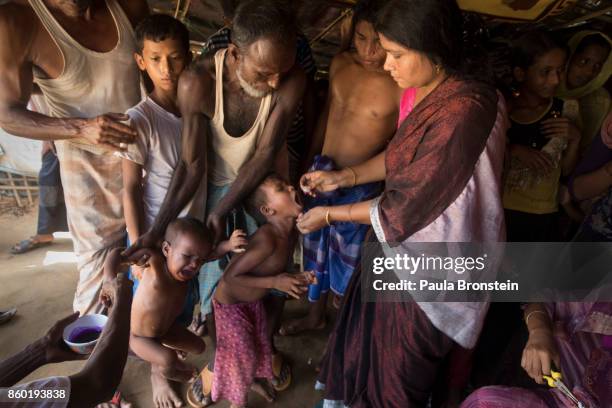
(442, 173)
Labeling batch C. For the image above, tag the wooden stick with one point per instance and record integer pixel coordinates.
(25, 183)
(15, 192)
(589, 16)
(20, 188)
(327, 29)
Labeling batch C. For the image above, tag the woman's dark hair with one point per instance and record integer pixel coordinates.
(592, 39)
(531, 45)
(160, 27)
(433, 27)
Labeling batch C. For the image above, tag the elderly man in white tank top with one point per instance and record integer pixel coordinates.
(79, 53)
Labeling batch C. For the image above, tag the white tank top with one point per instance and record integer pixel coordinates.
(91, 83)
(230, 153)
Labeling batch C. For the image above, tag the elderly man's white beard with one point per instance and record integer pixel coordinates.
(248, 88)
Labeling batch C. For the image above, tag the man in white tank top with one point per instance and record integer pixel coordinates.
(79, 54)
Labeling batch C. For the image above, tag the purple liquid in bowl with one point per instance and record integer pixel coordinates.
(82, 335)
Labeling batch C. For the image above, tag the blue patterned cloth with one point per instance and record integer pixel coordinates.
(333, 252)
(211, 272)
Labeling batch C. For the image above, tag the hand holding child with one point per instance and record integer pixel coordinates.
(113, 289)
(313, 220)
(238, 241)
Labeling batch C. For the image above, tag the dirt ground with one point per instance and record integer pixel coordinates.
(41, 285)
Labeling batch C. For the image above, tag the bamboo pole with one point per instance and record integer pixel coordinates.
(327, 29)
(15, 192)
(19, 188)
(589, 16)
(28, 191)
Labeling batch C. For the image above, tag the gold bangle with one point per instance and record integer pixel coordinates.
(349, 212)
(327, 218)
(354, 176)
(532, 313)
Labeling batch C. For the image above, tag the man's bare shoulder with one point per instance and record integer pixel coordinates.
(19, 28)
(135, 10)
(18, 19)
(198, 77)
(293, 87)
(196, 85)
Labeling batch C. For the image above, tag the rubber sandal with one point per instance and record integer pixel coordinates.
(277, 369)
(7, 315)
(27, 245)
(116, 398)
(192, 400)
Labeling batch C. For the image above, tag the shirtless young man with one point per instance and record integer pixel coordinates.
(79, 53)
(164, 302)
(360, 116)
(244, 349)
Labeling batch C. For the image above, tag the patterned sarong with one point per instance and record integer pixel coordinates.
(243, 350)
(92, 192)
(51, 207)
(333, 252)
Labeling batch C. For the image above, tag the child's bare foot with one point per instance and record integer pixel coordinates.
(296, 326)
(265, 389)
(163, 394)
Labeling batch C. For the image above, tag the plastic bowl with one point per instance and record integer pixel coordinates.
(80, 326)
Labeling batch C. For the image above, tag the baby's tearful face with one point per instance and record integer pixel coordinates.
(186, 255)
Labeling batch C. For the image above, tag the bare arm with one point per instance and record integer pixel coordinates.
(261, 247)
(136, 10)
(133, 208)
(274, 135)
(317, 217)
(318, 136)
(592, 184)
(540, 351)
(99, 378)
(194, 85)
(48, 349)
(369, 171)
(238, 272)
(16, 85)
(570, 157)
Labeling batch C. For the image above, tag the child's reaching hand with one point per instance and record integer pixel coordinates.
(238, 241)
(294, 284)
